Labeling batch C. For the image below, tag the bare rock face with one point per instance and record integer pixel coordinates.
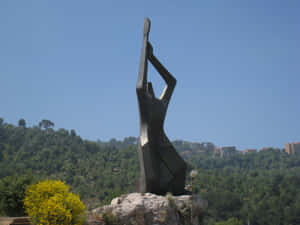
(150, 209)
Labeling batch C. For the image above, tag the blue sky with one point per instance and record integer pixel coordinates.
(76, 64)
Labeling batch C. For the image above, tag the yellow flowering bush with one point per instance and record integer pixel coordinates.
(51, 203)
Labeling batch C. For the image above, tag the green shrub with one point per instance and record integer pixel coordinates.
(231, 221)
(12, 194)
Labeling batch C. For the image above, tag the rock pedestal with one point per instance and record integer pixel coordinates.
(150, 209)
(21, 221)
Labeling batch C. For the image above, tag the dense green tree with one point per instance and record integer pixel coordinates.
(73, 133)
(12, 194)
(46, 124)
(22, 123)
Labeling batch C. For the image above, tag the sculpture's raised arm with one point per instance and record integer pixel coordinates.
(142, 79)
(147, 53)
(167, 76)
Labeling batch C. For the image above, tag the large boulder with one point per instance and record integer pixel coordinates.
(150, 209)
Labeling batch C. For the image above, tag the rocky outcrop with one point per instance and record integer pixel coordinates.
(21, 221)
(150, 209)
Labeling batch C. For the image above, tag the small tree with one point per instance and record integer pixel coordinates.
(51, 203)
(46, 124)
(22, 123)
(73, 133)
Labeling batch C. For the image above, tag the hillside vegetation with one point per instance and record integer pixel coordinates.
(256, 188)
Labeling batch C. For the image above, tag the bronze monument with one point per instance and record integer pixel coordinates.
(162, 169)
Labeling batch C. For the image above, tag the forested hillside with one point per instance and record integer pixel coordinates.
(93, 170)
(257, 188)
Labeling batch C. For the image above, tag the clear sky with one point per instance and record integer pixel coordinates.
(76, 64)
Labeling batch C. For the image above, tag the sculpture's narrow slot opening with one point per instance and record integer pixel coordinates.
(158, 83)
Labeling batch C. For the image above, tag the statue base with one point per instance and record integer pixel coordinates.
(149, 209)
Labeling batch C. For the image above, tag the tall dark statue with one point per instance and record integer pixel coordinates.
(162, 169)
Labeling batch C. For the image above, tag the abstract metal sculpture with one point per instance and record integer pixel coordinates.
(162, 169)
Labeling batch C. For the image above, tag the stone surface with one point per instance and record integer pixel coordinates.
(15, 221)
(150, 209)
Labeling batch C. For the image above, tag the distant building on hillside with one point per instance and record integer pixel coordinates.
(250, 150)
(225, 151)
(267, 149)
(292, 148)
